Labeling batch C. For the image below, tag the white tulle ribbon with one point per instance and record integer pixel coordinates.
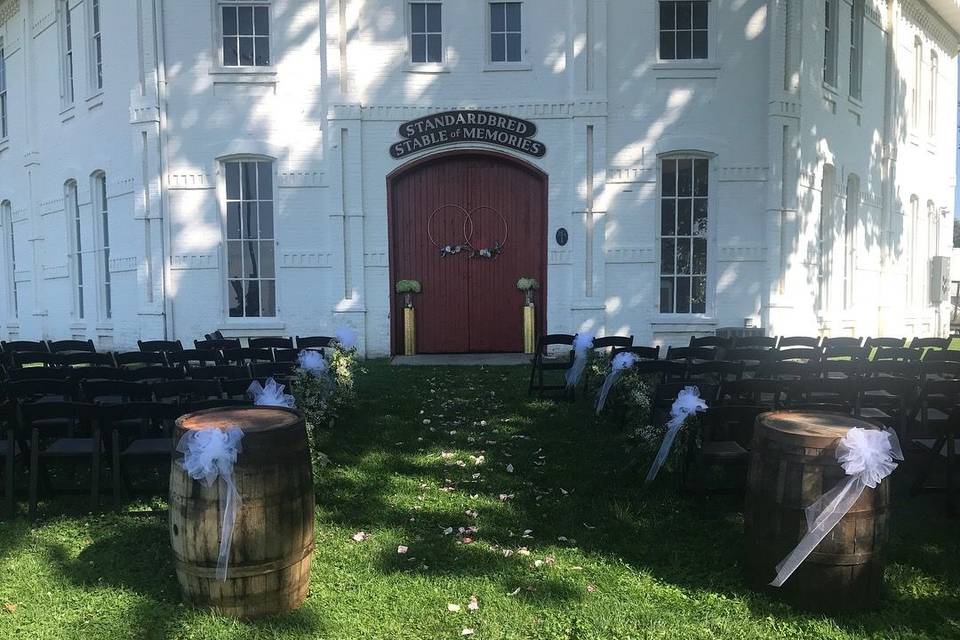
(688, 403)
(867, 456)
(312, 362)
(621, 362)
(269, 395)
(582, 344)
(346, 338)
(209, 454)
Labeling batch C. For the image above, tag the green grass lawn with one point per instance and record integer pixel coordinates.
(567, 545)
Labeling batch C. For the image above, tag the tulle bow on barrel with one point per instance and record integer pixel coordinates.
(270, 394)
(867, 456)
(209, 454)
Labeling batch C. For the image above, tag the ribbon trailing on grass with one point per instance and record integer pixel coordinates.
(582, 344)
(270, 395)
(867, 456)
(312, 362)
(209, 454)
(688, 403)
(621, 362)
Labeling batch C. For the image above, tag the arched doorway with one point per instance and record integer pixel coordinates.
(443, 211)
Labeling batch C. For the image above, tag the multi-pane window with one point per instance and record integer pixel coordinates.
(683, 235)
(856, 48)
(100, 201)
(683, 30)
(830, 8)
(96, 45)
(73, 214)
(251, 273)
(932, 97)
(3, 94)
(245, 30)
(66, 34)
(505, 32)
(426, 33)
(7, 216)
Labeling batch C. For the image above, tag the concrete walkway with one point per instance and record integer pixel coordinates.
(463, 360)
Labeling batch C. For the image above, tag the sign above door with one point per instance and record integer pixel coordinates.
(465, 127)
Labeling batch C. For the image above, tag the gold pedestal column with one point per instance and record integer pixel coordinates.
(529, 331)
(409, 332)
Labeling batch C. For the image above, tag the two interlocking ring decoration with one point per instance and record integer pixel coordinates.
(468, 228)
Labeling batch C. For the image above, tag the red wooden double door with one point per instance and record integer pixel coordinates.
(449, 211)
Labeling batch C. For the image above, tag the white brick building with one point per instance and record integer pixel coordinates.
(820, 137)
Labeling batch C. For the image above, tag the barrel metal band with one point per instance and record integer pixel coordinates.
(242, 571)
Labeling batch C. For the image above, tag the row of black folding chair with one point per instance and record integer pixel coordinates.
(216, 341)
(554, 355)
(809, 342)
(49, 346)
(156, 366)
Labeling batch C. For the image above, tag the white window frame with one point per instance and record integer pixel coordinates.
(831, 28)
(825, 236)
(95, 45)
(68, 50)
(851, 220)
(932, 94)
(225, 278)
(916, 96)
(490, 63)
(100, 204)
(855, 79)
(10, 260)
(74, 218)
(932, 249)
(425, 67)
(912, 291)
(216, 16)
(711, 38)
(4, 110)
(708, 312)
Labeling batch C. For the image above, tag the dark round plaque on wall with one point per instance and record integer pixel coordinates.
(562, 236)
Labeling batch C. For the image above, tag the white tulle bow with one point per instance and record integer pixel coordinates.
(688, 403)
(582, 344)
(269, 395)
(621, 362)
(346, 337)
(867, 456)
(209, 454)
(312, 362)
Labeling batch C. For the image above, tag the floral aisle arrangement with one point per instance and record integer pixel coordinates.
(324, 386)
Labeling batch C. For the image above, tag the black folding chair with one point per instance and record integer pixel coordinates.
(279, 371)
(798, 342)
(820, 394)
(898, 354)
(717, 342)
(886, 400)
(61, 432)
(114, 391)
(644, 353)
(714, 371)
(219, 372)
(841, 342)
(838, 362)
(22, 359)
(185, 392)
(135, 359)
(751, 358)
(139, 432)
(314, 342)
(217, 344)
(19, 346)
(288, 355)
(155, 374)
(79, 374)
(38, 373)
(755, 342)
(246, 355)
(760, 392)
(270, 343)
(71, 346)
(163, 346)
(885, 343)
(725, 435)
(88, 359)
(930, 343)
(544, 361)
(40, 390)
(691, 353)
(9, 452)
(188, 358)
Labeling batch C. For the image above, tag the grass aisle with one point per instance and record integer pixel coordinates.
(455, 505)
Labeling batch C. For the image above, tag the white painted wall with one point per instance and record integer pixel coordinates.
(328, 109)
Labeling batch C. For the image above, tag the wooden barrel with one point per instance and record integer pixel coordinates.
(792, 463)
(269, 569)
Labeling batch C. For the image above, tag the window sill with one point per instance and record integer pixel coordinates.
(705, 64)
(68, 113)
(830, 91)
(241, 75)
(855, 103)
(679, 319)
(255, 324)
(4, 144)
(507, 66)
(427, 67)
(95, 100)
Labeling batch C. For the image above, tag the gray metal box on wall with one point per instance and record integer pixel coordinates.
(939, 279)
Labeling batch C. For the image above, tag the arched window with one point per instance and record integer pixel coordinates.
(251, 267)
(72, 209)
(825, 236)
(850, 220)
(684, 203)
(10, 270)
(101, 215)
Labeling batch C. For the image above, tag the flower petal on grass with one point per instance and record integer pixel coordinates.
(453, 608)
